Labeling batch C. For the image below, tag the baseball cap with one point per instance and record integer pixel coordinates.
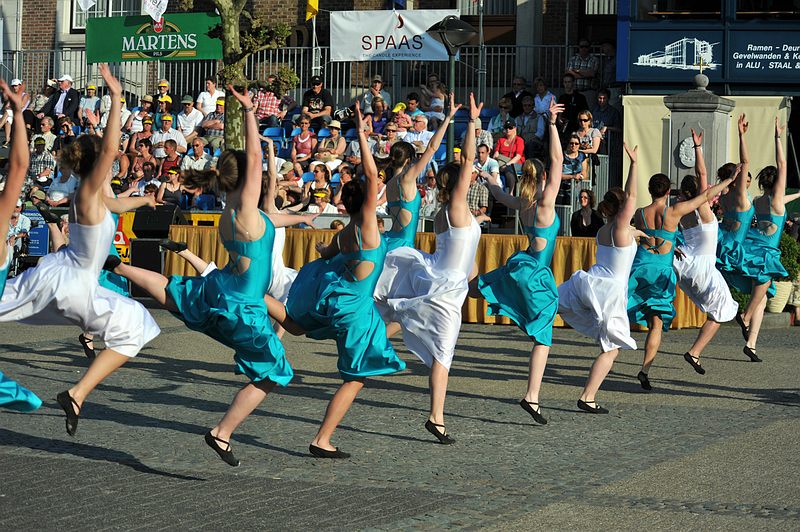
(91, 87)
(147, 121)
(52, 83)
(187, 99)
(166, 117)
(39, 140)
(19, 203)
(147, 98)
(377, 77)
(163, 83)
(316, 79)
(399, 107)
(165, 98)
(220, 101)
(65, 77)
(38, 194)
(172, 171)
(336, 124)
(510, 124)
(478, 124)
(15, 82)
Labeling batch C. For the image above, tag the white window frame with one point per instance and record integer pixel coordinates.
(103, 8)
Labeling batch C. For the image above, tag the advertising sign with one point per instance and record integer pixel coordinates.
(675, 55)
(387, 35)
(39, 236)
(174, 37)
(764, 55)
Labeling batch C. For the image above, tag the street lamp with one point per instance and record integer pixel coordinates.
(453, 33)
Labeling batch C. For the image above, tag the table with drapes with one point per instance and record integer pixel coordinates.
(571, 254)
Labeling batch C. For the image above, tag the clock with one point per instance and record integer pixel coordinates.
(686, 152)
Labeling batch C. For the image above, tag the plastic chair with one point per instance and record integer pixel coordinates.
(295, 132)
(351, 134)
(307, 177)
(324, 133)
(217, 152)
(205, 202)
(440, 157)
(76, 129)
(336, 178)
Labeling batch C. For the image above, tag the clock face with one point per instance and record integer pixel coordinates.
(686, 152)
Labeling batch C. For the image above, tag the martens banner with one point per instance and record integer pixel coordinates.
(179, 36)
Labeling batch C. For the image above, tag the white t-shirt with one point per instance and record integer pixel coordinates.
(188, 123)
(207, 102)
(59, 190)
(160, 136)
(329, 209)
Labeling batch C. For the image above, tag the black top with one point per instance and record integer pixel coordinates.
(578, 229)
(516, 101)
(317, 102)
(573, 104)
(70, 105)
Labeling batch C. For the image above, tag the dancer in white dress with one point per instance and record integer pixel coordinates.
(595, 302)
(696, 258)
(64, 289)
(424, 293)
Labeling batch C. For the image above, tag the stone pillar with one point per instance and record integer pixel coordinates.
(703, 110)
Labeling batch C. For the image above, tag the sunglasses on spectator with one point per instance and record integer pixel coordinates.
(574, 143)
(391, 130)
(197, 145)
(583, 120)
(305, 123)
(316, 84)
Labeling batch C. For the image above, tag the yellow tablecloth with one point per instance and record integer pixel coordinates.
(571, 254)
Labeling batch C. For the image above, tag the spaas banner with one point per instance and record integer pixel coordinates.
(387, 35)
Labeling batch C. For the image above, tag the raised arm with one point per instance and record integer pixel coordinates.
(251, 190)
(685, 207)
(628, 207)
(556, 157)
(371, 173)
(418, 167)
(272, 180)
(19, 159)
(458, 210)
(111, 138)
(121, 204)
(740, 184)
(699, 162)
(779, 188)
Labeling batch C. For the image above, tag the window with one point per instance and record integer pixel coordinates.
(678, 9)
(768, 9)
(103, 8)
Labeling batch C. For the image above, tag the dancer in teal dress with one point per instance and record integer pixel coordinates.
(402, 184)
(12, 395)
(761, 264)
(331, 298)
(228, 304)
(524, 288)
(651, 288)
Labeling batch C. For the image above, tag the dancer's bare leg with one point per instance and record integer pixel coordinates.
(473, 288)
(101, 367)
(245, 401)
(392, 329)
(277, 311)
(600, 368)
(538, 362)
(335, 412)
(153, 282)
(652, 343)
(706, 334)
(197, 263)
(438, 384)
(57, 240)
(757, 316)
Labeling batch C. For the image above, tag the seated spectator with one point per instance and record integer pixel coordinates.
(171, 160)
(42, 166)
(322, 179)
(608, 75)
(412, 105)
(322, 203)
(163, 91)
(171, 190)
(89, 107)
(352, 155)
(527, 122)
(477, 195)
(499, 120)
(40, 99)
(509, 152)
(189, 119)
(541, 105)
(61, 189)
(435, 110)
(143, 154)
(574, 168)
(45, 132)
(18, 227)
(267, 106)
(383, 146)
(145, 134)
(140, 179)
(214, 126)
(489, 168)
(482, 136)
(378, 119)
(150, 189)
(573, 102)
(608, 120)
(419, 136)
(585, 221)
(375, 91)
(66, 135)
(317, 104)
(517, 94)
(165, 133)
(207, 100)
(124, 115)
(589, 136)
(330, 150)
(426, 90)
(345, 176)
(64, 102)
(164, 108)
(430, 194)
(197, 158)
(303, 146)
(135, 121)
(403, 120)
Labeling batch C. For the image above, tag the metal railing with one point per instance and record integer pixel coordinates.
(490, 7)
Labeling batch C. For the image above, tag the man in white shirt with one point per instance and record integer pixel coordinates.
(488, 166)
(197, 158)
(189, 119)
(164, 134)
(207, 100)
(60, 190)
(419, 136)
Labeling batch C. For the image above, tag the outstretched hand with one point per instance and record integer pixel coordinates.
(243, 99)
(743, 124)
(555, 110)
(474, 109)
(778, 128)
(150, 201)
(359, 117)
(632, 153)
(112, 83)
(453, 106)
(697, 138)
(14, 98)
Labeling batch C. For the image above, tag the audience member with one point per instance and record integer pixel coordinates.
(167, 132)
(585, 221)
(498, 121)
(477, 195)
(403, 120)
(89, 107)
(163, 91)
(419, 136)
(45, 132)
(584, 67)
(573, 103)
(139, 114)
(42, 165)
(330, 150)
(65, 102)
(61, 189)
(435, 111)
(430, 194)
(143, 155)
(197, 158)
(322, 203)
(541, 105)
(124, 115)
(589, 136)
(303, 146)
(412, 105)
(608, 120)
(145, 134)
(489, 168)
(214, 126)
(378, 119)
(509, 152)
(164, 108)
(189, 119)
(317, 104)
(66, 135)
(608, 77)
(518, 92)
(171, 160)
(382, 147)
(375, 91)
(171, 190)
(267, 106)
(207, 100)
(575, 167)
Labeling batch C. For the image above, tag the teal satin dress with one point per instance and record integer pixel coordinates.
(761, 261)
(731, 249)
(229, 307)
(328, 303)
(399, 235)
(651, 287)
(524, 289)
(12, 395)
(111, 280)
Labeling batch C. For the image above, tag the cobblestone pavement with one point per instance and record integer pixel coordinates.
(718, 451)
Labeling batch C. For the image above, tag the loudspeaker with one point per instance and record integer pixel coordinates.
(154, 223)
(146, 254)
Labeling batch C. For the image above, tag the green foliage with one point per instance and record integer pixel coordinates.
(790, 255)
(740, 297)
(286, 81)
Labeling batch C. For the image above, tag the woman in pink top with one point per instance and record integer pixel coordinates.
(303, 145)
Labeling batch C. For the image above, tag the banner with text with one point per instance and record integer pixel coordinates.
(175, 37)
(387, 35)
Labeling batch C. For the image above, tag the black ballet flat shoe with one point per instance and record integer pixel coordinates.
(69, 405)
(536, 414)
(745, 329)
(171, 245)
(586, 406)
(88, 351)
(695, 363)
(226, 454)
(112, 261)
(444, 438)
(319, 452)
(644, 381)
(751, 353)
(47, 214)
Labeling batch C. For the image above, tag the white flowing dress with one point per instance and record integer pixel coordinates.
(63, 289)
(425, 293)
(698, 276)
(595, 302)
